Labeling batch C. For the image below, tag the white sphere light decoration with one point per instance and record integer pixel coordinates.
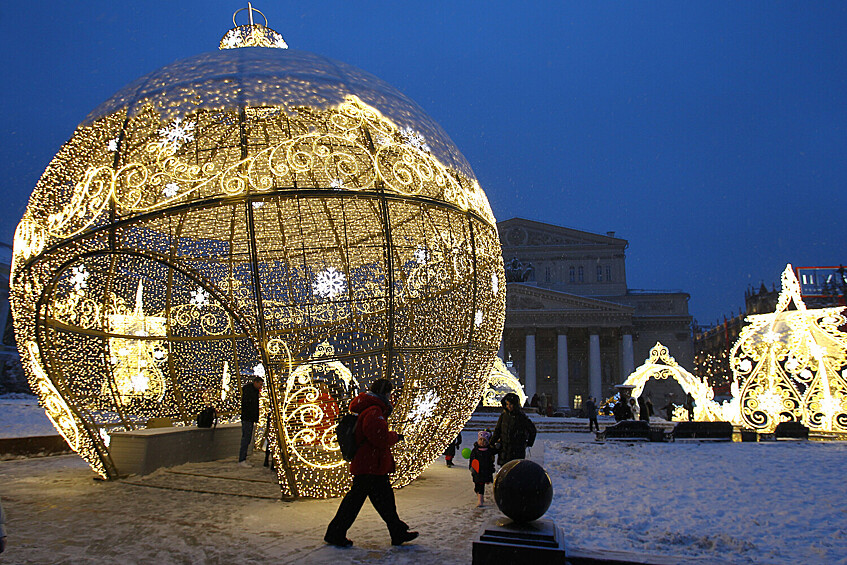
(259, 207)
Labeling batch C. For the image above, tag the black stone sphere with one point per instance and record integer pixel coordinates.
(523, 490)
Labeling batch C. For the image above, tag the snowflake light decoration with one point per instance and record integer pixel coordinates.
(171, 189)
(112, 146)
(495, 283)
(421, 255)
(199, 297)
(423, 406)
(414, 139)
(770, 402)
(258, 204)
(329, 283)
(176, 133)
(259, 371)
(337, 184)
(478, 318)
(79, 277)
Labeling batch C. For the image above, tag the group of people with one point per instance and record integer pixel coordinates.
(541, 403)
(512, 435)
(373, 461)
(632, 409)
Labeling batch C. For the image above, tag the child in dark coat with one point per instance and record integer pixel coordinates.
(481, 464)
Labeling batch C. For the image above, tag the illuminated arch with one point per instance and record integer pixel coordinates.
(502, 382)
(660, 365)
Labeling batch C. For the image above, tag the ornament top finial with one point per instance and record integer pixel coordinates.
(252, 34)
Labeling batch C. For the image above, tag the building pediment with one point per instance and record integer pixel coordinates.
(527, 297)
(519, 232)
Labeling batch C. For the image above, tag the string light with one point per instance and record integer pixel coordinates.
(180, 244)
(501, 382)
(789, 365)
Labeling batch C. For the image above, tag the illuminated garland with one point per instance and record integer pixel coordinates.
(660, 365)
(502, 382)
(790, 365)
(164, 261)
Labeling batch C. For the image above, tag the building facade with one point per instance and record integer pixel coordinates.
(573, 327)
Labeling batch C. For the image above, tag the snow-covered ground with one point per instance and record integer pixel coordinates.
(21, 416)
(729, 502)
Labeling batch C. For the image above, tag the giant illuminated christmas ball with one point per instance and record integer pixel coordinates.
(259, 210)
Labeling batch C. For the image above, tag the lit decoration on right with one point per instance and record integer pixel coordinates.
(501, 382)
(790, 365)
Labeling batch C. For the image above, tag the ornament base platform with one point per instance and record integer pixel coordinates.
(504, 542)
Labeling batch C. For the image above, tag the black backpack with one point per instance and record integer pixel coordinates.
(345, 433)
(207, 417)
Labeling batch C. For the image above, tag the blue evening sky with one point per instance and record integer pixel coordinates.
(710, 135)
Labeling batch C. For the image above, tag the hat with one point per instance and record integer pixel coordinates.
(484, 434)
(511, 397)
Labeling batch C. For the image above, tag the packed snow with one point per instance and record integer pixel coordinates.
(21, 416)
(779, 502)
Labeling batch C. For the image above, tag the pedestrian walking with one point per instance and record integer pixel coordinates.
(249, 416)
(481, 464)
(370, 469)
(450, 452)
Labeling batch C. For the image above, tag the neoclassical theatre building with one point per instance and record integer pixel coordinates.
(573, 327)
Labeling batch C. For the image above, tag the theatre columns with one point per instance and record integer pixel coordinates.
(529, 379)
(562, 392)
(595, 374)
(628, 361)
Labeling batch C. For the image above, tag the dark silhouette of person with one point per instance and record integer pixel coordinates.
(591, 410)
(514, 431)
(370, 468)
(249, 415)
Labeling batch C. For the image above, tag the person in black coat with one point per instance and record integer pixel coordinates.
(481, 464)
(249, 415)
(591, 411)
(514, 431)
(621, 410)
(450, 452)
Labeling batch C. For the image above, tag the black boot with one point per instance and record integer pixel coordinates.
(404, 537)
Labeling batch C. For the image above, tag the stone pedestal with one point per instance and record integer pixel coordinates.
(504, 542)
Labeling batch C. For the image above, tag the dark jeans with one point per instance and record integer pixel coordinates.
(592, 422)
(378, 489)
(246, 438)
(479, 488)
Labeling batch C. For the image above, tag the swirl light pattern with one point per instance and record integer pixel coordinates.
(253, 209)
(660, 365)
(500, 383)
(790, 365)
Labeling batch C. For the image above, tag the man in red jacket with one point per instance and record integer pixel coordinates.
(370, 468)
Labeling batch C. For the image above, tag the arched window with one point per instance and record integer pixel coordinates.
(571, 274)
